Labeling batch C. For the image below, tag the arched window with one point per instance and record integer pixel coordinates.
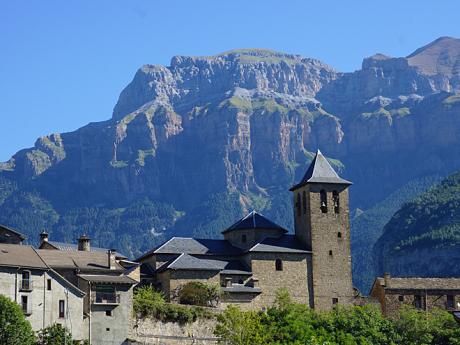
(279, 265)
(298, 204)
(304, 202)
(323, 197)
(243, 238)
(335, 197)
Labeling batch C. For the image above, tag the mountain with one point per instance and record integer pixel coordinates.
(193, 145)
(423, 236)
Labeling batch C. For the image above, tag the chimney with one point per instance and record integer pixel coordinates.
(386, 279)
(84, 243)
(111, 262)
(43, 236)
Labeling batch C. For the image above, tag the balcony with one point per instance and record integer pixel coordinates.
(26, 285)
(105, 298)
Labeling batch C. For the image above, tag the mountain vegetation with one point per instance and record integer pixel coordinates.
(192, 146)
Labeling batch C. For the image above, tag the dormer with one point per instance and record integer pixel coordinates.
(251, 229)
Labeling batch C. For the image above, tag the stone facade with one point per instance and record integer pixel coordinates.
(326, 230)
(421, 293)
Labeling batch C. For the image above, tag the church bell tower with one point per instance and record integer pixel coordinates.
(321, 218)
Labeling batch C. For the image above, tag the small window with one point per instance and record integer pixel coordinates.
(244, 238)
(48, 284)
(401, 298)
(450, 304)
(240, 281)
(107, 329)
(304, 202)
(108, 313)
(330, 252)
(323, 198)
(335, 301)
(25, 305)
(298, 204)
(26, 282)
(61, 308)
(336, 199)
(339, 234)
(279, 265)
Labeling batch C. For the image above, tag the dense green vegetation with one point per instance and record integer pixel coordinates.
(150, 303)
(367, 227)
(56, 334)
(201, 294)
(14, 328)
(290, 323)
(431, 220)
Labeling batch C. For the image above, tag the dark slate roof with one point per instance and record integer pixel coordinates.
(179, 245)
(107, 279)
(17, 233)
(320, 171)
(420, 283)
(74, 247)
(283, 244)
(190, 262)
(14, 255)
(254, 220)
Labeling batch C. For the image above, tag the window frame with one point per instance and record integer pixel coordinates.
(61, 308)
(323, 200)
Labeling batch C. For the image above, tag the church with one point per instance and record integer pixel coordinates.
(257, 257)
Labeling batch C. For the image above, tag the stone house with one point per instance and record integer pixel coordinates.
(106, 277)
(256, 257)
(44, 295)
(421, 293)
(8, 235)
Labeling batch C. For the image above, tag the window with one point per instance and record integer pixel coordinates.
(107, 329)
(323, 197)
(26, 282)
(401, 298)
(298, 204)
(450, 304)
(335, 301)
(48, 284)
(330, 252)
(61, 308)
(418, 302)
(279, 265)
(240, 281)
(24, 305)
(335, 197)
(304, 202)
(243, 238)
(108, 313)
(339, 234)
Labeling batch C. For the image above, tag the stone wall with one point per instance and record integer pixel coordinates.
(150, 331)
(235, 236)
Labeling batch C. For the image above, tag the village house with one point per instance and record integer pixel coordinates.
(8, 235)
(256, 257)
(88, 291)
(421, 293)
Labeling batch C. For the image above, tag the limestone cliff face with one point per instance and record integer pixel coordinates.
(242, 123)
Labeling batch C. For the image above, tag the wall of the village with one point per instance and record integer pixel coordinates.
(293, 277)
(150, 331)
(235, 236)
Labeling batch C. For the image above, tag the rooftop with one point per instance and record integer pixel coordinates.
(254, 220)
(283, 244)
(74, 247)
(320, 171)
(17, 233)
(421, 283)
(14, 255)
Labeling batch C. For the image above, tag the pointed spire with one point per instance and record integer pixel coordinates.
(254, 220)
(320, 171)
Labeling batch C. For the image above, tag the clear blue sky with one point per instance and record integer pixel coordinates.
(64, 63)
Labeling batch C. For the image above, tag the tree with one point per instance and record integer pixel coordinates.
(55, 334)
(14, 328)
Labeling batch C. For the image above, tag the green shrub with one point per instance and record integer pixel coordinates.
(201, 294)
(150, 303)
(14, 328)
